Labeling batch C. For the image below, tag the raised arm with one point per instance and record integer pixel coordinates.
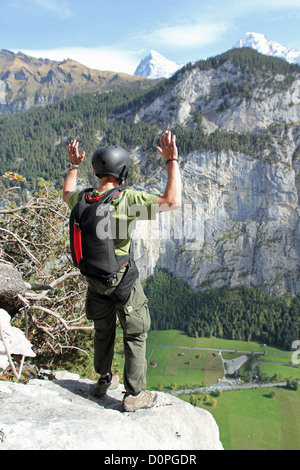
(171, 199)
(76, 160)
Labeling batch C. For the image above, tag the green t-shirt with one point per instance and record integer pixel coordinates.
(126, 208)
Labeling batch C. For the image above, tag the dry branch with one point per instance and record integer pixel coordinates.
(34, 240)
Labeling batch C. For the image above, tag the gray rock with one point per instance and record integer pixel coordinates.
(63, 415)
(15, 340)
(11, 284)
(200, 89)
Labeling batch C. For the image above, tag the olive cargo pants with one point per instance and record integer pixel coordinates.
(135, 321)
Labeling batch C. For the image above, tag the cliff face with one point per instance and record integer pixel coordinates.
(239, 224)
(229, 97)
(240, 215)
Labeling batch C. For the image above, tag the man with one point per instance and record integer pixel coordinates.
(111, 166)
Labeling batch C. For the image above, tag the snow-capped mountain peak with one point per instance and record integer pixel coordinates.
(155, 65)
(262, 44)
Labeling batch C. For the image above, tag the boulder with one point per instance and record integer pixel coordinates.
(63, 415)
(15, 340)
(11, 284)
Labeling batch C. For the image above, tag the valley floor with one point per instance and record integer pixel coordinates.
(250, 416)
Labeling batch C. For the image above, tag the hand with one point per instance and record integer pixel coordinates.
(75, 158)
(168, 148)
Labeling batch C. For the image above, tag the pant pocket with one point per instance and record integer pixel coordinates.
(89, 308)
(97, 306)
(134, 315)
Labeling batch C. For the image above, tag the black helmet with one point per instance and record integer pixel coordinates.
(112, 160)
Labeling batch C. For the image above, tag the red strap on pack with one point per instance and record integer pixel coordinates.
(91, 199)
(77, 243)
(117, 194)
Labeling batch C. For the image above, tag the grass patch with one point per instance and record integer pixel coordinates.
(251, 420)
(176, 364)
(284, 371)
(289, 410)
(213, 369)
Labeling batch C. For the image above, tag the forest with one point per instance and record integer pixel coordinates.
(240, 313)
(34, 143)
(247, 59)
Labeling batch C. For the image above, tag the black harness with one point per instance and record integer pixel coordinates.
(92, 244)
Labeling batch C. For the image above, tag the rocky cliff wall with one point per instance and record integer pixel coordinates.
(228, 97)
(241, 211)
(239, 224)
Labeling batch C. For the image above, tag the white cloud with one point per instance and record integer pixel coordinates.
(192, 35)
(99, 58)
(210, 23)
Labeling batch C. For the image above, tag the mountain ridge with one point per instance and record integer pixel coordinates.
(154, 65)
(26, 81)
(265, 46)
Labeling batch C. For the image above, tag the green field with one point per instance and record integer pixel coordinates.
(253, 420)
(187, 371)
(262, 419)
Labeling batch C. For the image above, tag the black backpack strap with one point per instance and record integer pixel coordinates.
(75, 230)
(86, 198)
(105, 198)
(122, 291)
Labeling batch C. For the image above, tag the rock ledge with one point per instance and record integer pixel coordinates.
(63, 415)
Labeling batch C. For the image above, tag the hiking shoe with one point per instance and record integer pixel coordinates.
(145, 399)
(111, 382)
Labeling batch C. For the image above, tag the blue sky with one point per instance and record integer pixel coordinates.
(115, 35)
